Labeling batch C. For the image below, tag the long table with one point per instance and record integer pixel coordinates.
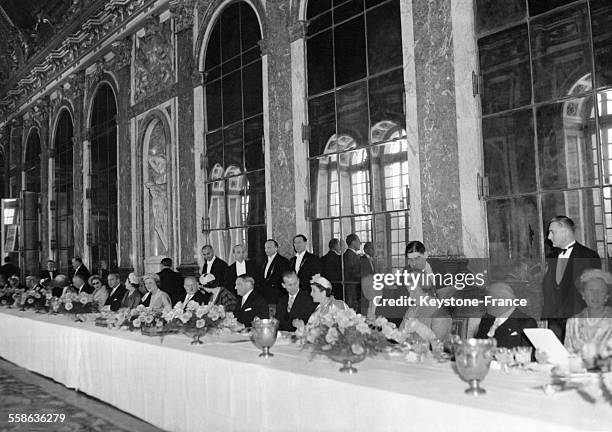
(223, 385)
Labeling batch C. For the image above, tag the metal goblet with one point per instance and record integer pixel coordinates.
(473, 358)
(263, 335)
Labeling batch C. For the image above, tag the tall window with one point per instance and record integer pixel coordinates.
(63, 192)
(32, 163)
(357, 147)
(30, 214)
(235, 180)
(546, 122)
(102, 235)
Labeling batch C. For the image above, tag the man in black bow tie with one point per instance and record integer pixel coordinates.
(273, 269)
(565, 265)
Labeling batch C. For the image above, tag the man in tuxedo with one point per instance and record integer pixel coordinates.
(295, 304)
(80, 285)
(9, 269)
(117, 292)
(79, 269)
(331, 267)
(366, 264)
(192, 292)
(565, 264)
(213, 264)
(352, 273)
(241, 266)
(305, 264)
(171, 282)
(253, 304)
(50, 272)
(273, 270)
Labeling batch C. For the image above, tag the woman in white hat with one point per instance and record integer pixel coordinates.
(321, 292)
(219, 295)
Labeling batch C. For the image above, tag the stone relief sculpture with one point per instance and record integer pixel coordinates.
(158, 189)
(153, 63)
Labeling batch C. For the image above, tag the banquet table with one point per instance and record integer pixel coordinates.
(223, 385)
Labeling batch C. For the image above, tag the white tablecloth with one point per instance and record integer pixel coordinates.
(222, 386)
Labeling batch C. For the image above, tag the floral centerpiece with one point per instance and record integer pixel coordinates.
(73, 303)
(599, 387)
(345, 336)
(36, 299)
(8, 295)
(196, 320)
(151, 322)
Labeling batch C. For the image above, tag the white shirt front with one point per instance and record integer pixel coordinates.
(245, 297)
(113, 290)
(290, 302)
(240, 268)
(298, 260)
(568, 250)
(269, 263)
(209, 264)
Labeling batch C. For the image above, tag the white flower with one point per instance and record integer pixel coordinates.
(148, 319)
(357, 349)
(185, 317)
(192, 305)
(68, 306)
(332, 336)
(200, 323)
(137, 323)
(363, 328)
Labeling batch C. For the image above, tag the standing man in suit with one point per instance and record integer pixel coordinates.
(213, 264)
(273, 270)
(117, 292)
(9, 269)
(80, 285)
(566, 263)
(253, 304)
(331, 267)
(366, 263)
(294, 304)
(305, 264)
(50, 272)
(241, 266)
(80, 269)
(352, 273)
(171, 282)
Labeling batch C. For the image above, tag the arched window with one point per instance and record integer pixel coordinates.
(30, 214)
(102, 235)
(32, 162)
(235, 180)
(63, 192)
(357, 148)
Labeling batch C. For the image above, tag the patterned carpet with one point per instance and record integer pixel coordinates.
(23, 392)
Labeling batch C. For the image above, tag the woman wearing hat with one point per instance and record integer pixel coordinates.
(158, 299)
(321, 292)
(219, 295)
(131, 299)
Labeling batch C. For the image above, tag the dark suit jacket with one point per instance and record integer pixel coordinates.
(510, 334)
(219, 267)
(255, 305)
(271, 287)
(352, 266)
(562, 300)
(172, 283)
(145, 301)
(231, 276)
(82, 272)
(114, 300)
(302, 308)
(9, 269)
(331, 266)
(198, 297)
(309, 266)
(45, 274)
(88, 289)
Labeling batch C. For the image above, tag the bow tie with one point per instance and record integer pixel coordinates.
(565, 250)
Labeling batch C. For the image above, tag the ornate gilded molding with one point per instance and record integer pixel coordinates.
(94, 76)
(297, 31)
(122, 54)
(182, 12)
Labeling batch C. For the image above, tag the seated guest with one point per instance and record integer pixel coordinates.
(100, 293)
(253, 304)
(60, 284)
(32, 283)
(295, 304)
(321, 292)
(80, 286)
(593, 325)
(218, 294)
(193, 293)
(15, 283)
(504, 323)
(117, 292)
(157, 299)
(132, 296)
(50, 272)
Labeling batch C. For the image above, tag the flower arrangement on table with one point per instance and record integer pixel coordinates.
(196, 320)
(9, 295)
(345, 336)
(73, 303)
(36, 299)
(113, 320)
(599, 387)
(150, 322)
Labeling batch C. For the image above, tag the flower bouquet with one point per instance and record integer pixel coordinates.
(73, 303)
(345, 336)
(599, 387)
(151, 322)
(113, 320)
(196, 320)
(9, 295)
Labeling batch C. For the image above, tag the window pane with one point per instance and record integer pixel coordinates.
(213, 105)
(561, 53)
(249, 27)
(509, 153)
(355, 183)
(214, 153)
(320, 63)
(390, 179)
(384, 37)
(235, 201)
(216, 205)
(387, 118)
(232, 98)
(322, 120)
(230, 32)
(353, 114)
(601, 17)
(504, 64)
(255, 198)
(349, 50)
(253, 146)
(256, 238)
(324, 188)
(604, 107)
(252, 89)
(347, 10)
(566, 158)
(539, 6)
(315, 7)
(493, 13)
(213, 49)
(390, 239)
(232, 143)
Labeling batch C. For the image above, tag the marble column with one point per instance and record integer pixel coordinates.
(280, 141)
(437, 126)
